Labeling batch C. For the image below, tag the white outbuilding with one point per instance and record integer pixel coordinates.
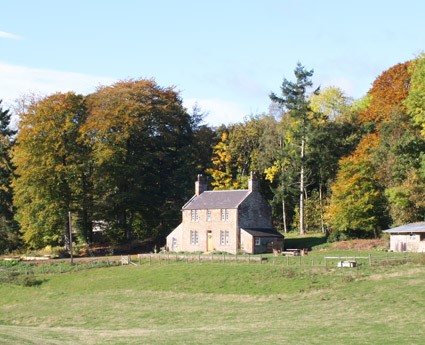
(408, 238)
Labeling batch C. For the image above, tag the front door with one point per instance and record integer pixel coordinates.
(210, 246)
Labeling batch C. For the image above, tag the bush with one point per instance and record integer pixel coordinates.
(339, 235)
(336, 236)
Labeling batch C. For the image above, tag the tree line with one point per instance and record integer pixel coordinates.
(123, 159)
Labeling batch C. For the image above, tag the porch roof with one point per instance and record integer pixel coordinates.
(263, 232)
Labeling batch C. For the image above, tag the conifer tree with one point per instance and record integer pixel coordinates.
(295, 101)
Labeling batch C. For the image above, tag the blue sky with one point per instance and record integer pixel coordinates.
(225, 55)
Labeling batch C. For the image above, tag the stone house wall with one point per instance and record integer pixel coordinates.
(255, 212)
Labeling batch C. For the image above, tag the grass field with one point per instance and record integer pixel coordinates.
(218, 303)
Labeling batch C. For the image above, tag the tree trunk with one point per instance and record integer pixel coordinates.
(285, 227)
(129, 227)
(322, 223)
(302, 230)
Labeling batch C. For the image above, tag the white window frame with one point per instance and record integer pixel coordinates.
(224, 214)
(224, 237)
(208, 215)
(194, 238)
(257, 241)
(194, 216)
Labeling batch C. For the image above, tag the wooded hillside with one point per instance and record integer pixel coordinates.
(124, 159)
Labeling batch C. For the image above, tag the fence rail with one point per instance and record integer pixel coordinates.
(10, 270)
(169, 257)
(306, 260)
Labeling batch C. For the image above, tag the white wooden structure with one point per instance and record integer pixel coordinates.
(408, 238)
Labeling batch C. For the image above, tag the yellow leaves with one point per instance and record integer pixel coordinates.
(222, 162)
(272, 172)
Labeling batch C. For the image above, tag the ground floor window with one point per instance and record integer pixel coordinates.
(257, 241)
(194, 238)
(224, 237)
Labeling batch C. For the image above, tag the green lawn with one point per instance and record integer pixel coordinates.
(218, 303)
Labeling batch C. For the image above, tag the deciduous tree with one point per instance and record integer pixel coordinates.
(50, 167)
(357, 205)
(8, 227)
(415, 101)
(142, 142)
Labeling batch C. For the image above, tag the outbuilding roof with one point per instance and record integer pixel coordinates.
(217, 199)
(407, 228)
(263, 232)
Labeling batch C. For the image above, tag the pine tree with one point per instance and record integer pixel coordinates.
(294, 99)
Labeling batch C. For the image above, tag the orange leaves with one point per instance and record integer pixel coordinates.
(387, 94)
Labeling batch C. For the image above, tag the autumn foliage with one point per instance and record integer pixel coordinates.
(387, 94)
(124, 158)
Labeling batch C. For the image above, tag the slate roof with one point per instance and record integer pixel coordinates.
(267, 232)
(216, 199)
(407, 228)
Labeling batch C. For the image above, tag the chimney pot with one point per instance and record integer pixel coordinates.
(200, 185)
(253, 183)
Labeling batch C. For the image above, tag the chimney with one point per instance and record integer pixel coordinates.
(253, 183)
(200, 185)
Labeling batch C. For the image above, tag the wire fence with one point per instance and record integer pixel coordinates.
(33, 272)
(289, 260)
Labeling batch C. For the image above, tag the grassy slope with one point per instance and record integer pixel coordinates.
(244, 304)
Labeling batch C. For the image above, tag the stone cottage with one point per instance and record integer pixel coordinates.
(227, 221)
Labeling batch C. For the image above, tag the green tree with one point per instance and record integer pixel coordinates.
(332, 102)
(280, 168)
(205, 138)
(8, 227)
(329, 142)
(142, 142)
(50, 167)
(295, 100)
(415, 101)
(358, 206)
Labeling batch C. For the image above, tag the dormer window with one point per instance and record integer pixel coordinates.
(224, 214)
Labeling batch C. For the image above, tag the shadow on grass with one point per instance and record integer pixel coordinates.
(307, 241)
